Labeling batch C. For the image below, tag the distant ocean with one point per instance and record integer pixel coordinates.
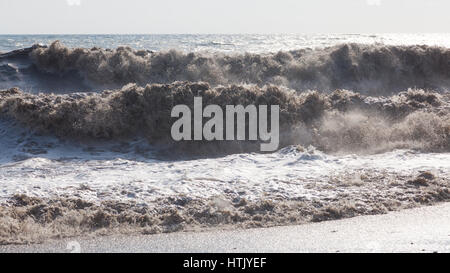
(85, 130)
(255, 43)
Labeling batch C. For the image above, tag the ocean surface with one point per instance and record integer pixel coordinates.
(255, 43)
(365, 128)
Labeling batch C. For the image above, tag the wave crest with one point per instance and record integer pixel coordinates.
(370, 69)
(341, 121)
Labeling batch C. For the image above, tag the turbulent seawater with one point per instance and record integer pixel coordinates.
(85, 131)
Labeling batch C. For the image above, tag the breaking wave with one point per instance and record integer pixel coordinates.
(369, 69)
(92, 122)
(342, 121)
(399, 94)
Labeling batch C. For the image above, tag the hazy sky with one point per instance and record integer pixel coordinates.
(225, 16)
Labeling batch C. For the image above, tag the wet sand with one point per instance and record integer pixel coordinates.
(425, 229)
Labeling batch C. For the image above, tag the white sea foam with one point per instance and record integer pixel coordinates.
(253, 176)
